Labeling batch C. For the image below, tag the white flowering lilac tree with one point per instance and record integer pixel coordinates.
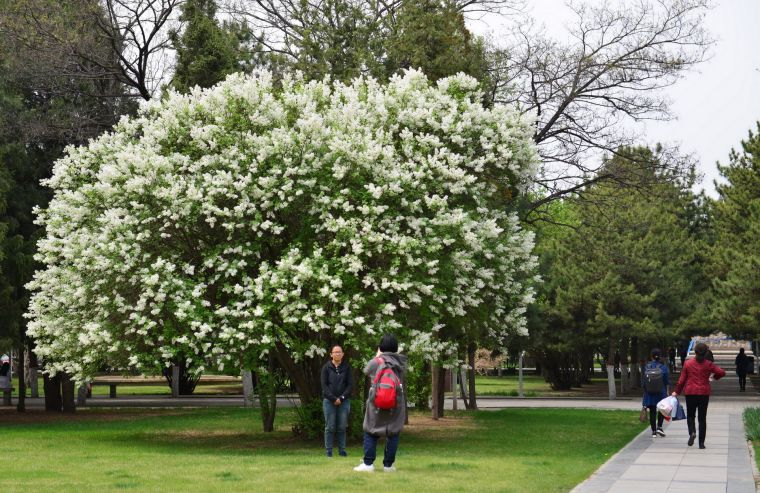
(258, 217)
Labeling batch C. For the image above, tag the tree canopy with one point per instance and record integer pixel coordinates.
(248, 218)
(736, 259)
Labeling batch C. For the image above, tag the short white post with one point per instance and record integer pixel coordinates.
(247, 388)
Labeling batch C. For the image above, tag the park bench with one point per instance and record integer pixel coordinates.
(115, 381)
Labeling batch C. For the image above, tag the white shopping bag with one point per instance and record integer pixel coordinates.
(666, 406)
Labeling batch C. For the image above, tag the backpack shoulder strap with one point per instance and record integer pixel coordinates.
(380, 364)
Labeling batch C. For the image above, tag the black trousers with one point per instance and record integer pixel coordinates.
(654, 414)
(742, 381)
(697, 404)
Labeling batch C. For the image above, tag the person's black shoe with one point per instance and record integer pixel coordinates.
(692, 437)
(701, 445)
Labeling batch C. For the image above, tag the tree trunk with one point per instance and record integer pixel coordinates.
(635, 364)
(611, 370)
(186, 382)
(267, 387)
(21, 404)
(67, 393)
(435, 376)
(33, 374)
(471, 349)
(625, 383)
(441, 393)
(305, 374)
(53, 401)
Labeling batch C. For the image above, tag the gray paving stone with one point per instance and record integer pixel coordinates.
(669, 465)
(696, 487)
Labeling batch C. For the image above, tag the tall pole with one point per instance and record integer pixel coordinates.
(520, 370)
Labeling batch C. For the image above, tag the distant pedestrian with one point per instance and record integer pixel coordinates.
(741, 362)
(655, 381)
(695, 384)
(385, 411)
(5, 369)
(672, 359)
(683, 353)
(336, 401)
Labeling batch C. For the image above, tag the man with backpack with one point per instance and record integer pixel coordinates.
(385, 411)
(655, 381)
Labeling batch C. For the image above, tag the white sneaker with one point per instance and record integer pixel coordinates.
(389, 469)
(364, 467)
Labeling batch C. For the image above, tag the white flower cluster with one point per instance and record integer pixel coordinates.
(252, 214)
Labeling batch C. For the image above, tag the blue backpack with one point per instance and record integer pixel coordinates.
(653, 379)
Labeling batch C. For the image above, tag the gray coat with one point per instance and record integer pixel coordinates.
(382, 421)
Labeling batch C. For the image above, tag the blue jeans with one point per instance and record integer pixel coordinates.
(336, 420)
(370, 447)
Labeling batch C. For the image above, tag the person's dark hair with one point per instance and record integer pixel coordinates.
(656, 354)
(700, 350)
(709, 355)
(332, 348)
(388, 344)
(741, 350)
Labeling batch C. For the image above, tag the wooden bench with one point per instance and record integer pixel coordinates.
(114, 382)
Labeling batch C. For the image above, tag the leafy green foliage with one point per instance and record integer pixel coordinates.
(632, 267)
(431, 35)
(736, 257)
(206, 51)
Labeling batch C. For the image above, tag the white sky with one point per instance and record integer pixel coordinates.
(715, 105)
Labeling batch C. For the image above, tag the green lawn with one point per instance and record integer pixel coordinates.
(533, 385)
(515, 450)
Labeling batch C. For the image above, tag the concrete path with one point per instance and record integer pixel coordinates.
(669, 465)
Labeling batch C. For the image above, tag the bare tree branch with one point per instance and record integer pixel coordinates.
(585, 91)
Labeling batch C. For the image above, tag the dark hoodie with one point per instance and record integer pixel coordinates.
(381, 421)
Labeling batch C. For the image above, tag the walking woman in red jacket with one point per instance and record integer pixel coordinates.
(695, 384)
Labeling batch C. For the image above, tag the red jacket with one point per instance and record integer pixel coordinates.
(695, 377)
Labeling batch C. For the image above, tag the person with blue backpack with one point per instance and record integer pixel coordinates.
(655, 382)
(385, 411)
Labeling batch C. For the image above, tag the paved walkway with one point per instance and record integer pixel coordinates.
(669, 465)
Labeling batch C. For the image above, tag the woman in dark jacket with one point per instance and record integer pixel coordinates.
(695, 384)
(651, 399)
(336, 402)
(741, 369)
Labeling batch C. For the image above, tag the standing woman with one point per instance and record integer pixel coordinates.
(741, 369)
(336, 402)
(695, 384)
(654, 395)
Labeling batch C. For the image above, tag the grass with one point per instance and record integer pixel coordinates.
(533, 385)
(752, 429)
(513, 450)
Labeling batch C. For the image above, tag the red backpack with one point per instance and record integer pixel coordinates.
(386, 383)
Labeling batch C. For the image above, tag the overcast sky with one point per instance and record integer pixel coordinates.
(715, 105)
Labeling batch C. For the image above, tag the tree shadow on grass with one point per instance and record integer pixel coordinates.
(422, 432)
